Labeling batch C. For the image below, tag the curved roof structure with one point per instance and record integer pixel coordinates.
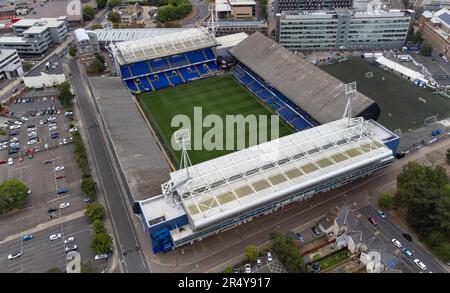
(312, 89)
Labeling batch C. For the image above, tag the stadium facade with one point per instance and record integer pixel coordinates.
(223, 193)
(343, 29)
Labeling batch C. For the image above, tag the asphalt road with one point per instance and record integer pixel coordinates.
(390, 231)
(133, 261)
(202, 9)
(39, 254)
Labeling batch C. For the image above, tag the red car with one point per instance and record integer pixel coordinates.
(373, 221)
(3, 162)
(60, 177)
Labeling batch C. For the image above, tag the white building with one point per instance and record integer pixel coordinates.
(34, 36)
(10, 64)
(342, 29)
(86, 41)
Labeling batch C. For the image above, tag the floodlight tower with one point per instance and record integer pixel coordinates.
(182, 138)
(212, 23)
(350, 89)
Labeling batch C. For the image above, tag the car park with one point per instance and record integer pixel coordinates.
(64, 205)
(69, 240)
(27, 237)
(407, 252)
(396, 243)
(55, 236)
(14, 254)
(420, 264)
(373, 221)
(71, 247)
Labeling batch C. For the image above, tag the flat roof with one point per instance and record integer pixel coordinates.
(81, 35)
(4, 53)
(41, 22)
(231, 184)
(142, 161)
(12, 40)
(121, 35)
(164, 45)
(231, 40)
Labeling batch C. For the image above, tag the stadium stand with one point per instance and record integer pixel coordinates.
(285, 81)
(169, 60)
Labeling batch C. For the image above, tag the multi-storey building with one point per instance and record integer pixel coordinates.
(34, 36)
(299, 5)
(235, 9)
(342, 29)
(10, 64)
(435, 29)
(228, 27)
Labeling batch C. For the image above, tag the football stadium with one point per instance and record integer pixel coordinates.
(318, 150)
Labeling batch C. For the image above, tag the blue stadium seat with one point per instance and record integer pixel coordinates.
(144, 85)
(189, 75)
(264, 95)
(212, 66)
(195, 56)
(125, 71)
(255, 86)
(131, 86)
(201, 69)
(140, 68)
(300, 124)
(159, 64)
(160, 81)
(209, 54)
(178, 60)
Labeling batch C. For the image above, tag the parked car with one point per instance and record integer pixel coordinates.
(396, 243)
(53, 209)
(3, 162)
(87, 199)
(407, 236)
(381, 214)
(258, 261)
(269, 256)
(27, 237)
(420, 264)
(316, 230)
(71, 247)
(10, 161)
(48, 161)
(100, 256)
(73, 129)
(248, 268)
(373, 221)
(55, 236)
(59, 168)
(407, 252)
(69, 240)
(64, 205)
(60, 177)
(14, 254)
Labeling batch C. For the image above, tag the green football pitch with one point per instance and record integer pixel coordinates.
(215, 95)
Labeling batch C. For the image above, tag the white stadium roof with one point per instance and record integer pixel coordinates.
(165, 45)
(234, 183)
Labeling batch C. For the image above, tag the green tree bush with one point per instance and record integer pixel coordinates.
(251, 253)
(89, 187)
(88, 13)
(386, 200)
(13, 195)
(101, 243)
(95, 211)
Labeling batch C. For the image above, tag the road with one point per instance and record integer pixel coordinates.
(202, 12)
(133, 261)
(390, 231)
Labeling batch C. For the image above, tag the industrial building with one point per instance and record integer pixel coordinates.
(343, 29)
(228, 191)
(34, 36)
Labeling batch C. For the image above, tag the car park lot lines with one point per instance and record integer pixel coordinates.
(39, 254)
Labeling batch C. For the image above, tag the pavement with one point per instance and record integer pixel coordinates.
(124, 235)
(202, 13)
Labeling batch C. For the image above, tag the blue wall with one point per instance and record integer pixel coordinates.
(393, 145)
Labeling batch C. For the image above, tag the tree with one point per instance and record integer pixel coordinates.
(426, 49)
(251, 253)
(65, 95)
(98, 227)
(228, 270)
(96, 26)
(385, 200)
(72, 51)
(175, 9)
(89, 187)
(13, 195)
(95, 211)
(114, 17)
(288, 252)
(101, 243)
(113, 3)
(97, 65)
(88, 13)
(101, 3)
(447, 156)
(26, 66)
